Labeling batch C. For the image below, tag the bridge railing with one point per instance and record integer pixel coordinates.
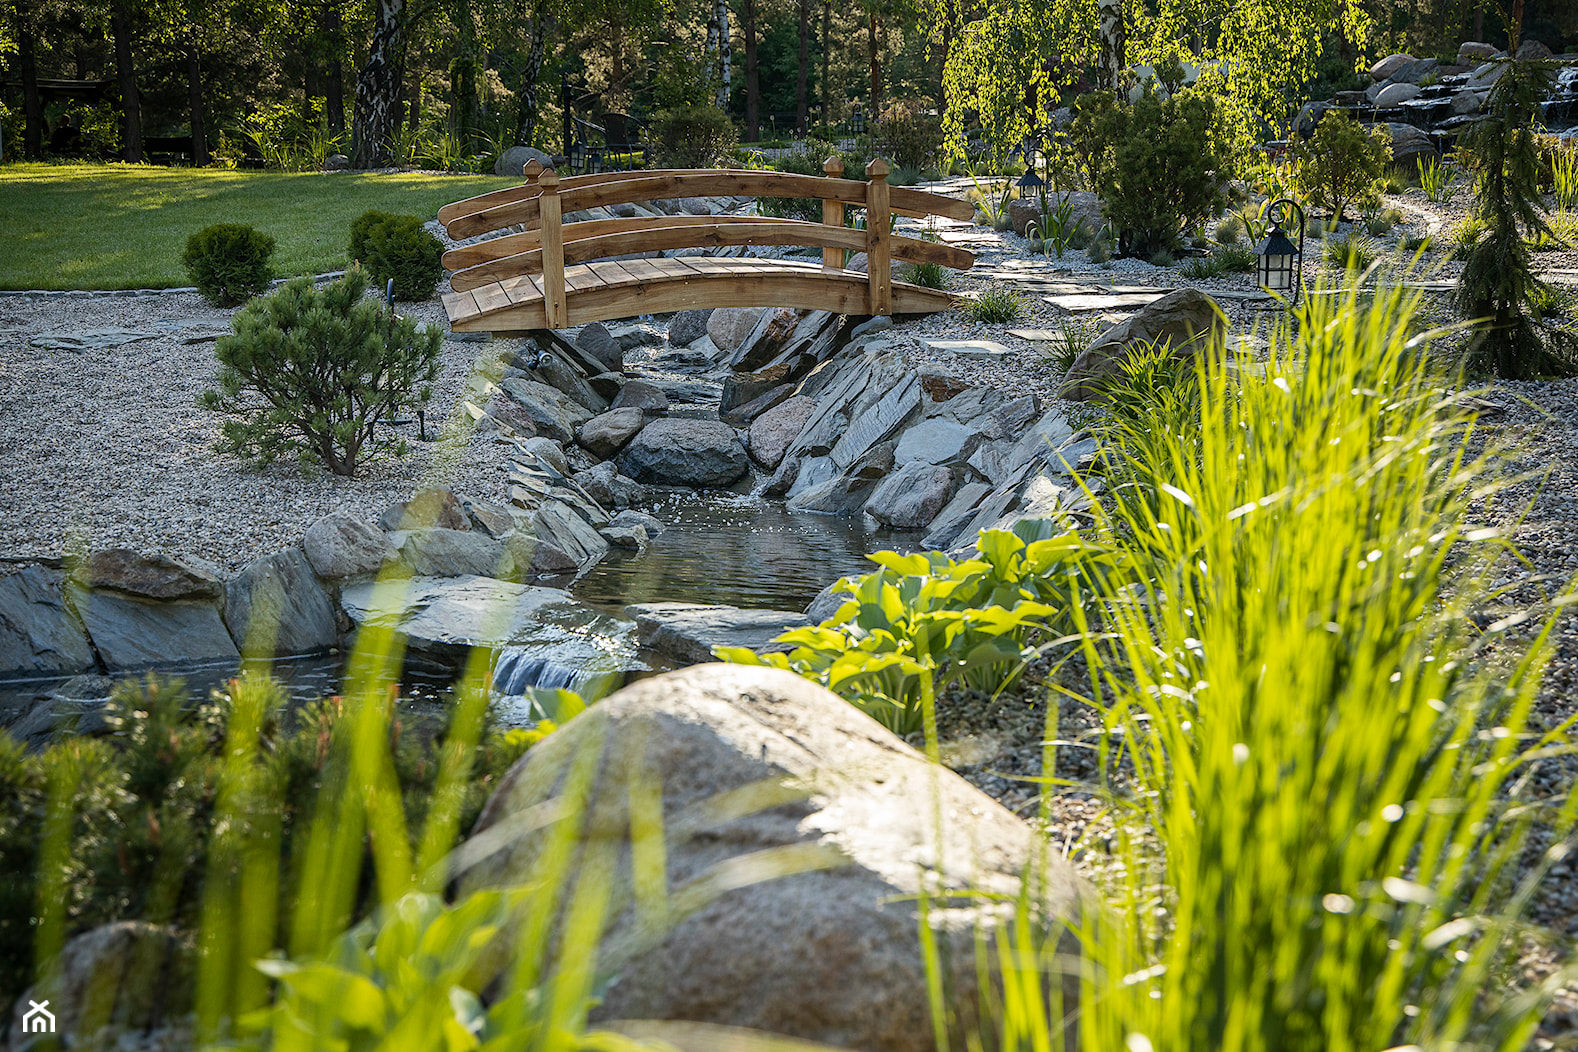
(547, 245)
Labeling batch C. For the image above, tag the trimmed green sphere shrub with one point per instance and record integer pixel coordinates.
(402, 249)
(228, 262)
(312, 370)
(361, 228)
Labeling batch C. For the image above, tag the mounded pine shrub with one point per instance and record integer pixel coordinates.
(311, 371)
(228, 262)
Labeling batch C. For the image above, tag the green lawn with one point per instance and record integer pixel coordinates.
(117, 226)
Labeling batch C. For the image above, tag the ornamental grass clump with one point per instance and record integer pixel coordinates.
(310, 371)
(1317, 760)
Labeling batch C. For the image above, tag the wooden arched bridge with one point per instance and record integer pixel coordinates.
(552, 275)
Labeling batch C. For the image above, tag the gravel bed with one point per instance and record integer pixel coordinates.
(109, 448)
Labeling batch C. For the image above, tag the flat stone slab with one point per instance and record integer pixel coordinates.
(688, 632)
(1085, 304)
(968, 348)
(90, 339)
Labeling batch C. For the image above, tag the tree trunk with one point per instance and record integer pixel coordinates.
(753, 87)
(526, 119)
(1110, 60)
(1479, 21)
(414, 122)
(334, 75)
(720, 15)
(876, 67)
(194, 91)
(378, 85)
(802, 101)
(32, 102)
(825, 91)
(1515, 30)
(126, 73)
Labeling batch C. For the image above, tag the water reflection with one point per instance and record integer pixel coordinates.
(738, 550)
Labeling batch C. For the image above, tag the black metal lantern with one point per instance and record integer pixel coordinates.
(1281, 264)
(1030, 180)
(857, 120)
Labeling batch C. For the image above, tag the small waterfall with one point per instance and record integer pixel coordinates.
(522, 670)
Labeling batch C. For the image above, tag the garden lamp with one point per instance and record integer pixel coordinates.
(857, 120)
(1030, 180)
(1281, 261)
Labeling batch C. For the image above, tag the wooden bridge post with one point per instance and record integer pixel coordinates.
(833, 215)
(552, 251)
(879, 256)
(532, 170)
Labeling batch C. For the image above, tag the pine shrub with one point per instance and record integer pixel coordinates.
(228, 262)
(1342, 163)
(1497, 289)
(311, 370)
(693, 137)
(361, 229)
(1159, 165)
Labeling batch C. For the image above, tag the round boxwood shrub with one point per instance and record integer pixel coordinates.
(228, 262)
(398, 247)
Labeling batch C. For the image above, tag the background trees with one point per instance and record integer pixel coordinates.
(433, 81)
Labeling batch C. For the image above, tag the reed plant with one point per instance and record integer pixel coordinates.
(1317, 768)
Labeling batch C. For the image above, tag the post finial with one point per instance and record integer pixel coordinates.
(532, 169)
(549, 177)
(877, 169)
(834, 165)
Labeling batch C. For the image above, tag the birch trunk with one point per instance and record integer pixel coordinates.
(1110, 60)
(526, 121)
(377, 115)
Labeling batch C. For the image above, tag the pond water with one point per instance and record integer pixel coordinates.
(724, 548)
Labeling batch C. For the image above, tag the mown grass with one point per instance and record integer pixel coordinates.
(117, 226)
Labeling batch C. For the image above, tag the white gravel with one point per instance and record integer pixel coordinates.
(110, 448)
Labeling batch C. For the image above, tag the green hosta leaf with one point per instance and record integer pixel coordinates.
(918, 565)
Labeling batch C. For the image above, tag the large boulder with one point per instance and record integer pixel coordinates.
(512, 162)
(596, 341)
(554, 413)
(430, 507)
(567, 379)
(1084, 210)
(1387, 67)
(688, 326)
(825, 951)
(685, 452)
(1188, 320)
(151, 575)
(276, 606)
(604, 484)
(688, 632)
(1466, 102)
(1396, 95)
(559, 524)
(436, 552)
(728, 326)
(1533, 51)
(123, 978)
(607, 433)
(1409, 143)
(772, 433)
(131, 633)
(340, 545)
(38, 632)
(1473, 52)
(643, 395)
(912, 496)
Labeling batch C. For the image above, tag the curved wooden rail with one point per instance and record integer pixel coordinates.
(550, 275)
(519, 205)
(626, 237)
(617, 289)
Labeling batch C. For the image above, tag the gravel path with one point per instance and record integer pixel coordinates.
(109, 447)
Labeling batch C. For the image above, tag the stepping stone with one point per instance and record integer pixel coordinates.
(1037, 335)
(90, 339)
(968, 348)
(1084, 304)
